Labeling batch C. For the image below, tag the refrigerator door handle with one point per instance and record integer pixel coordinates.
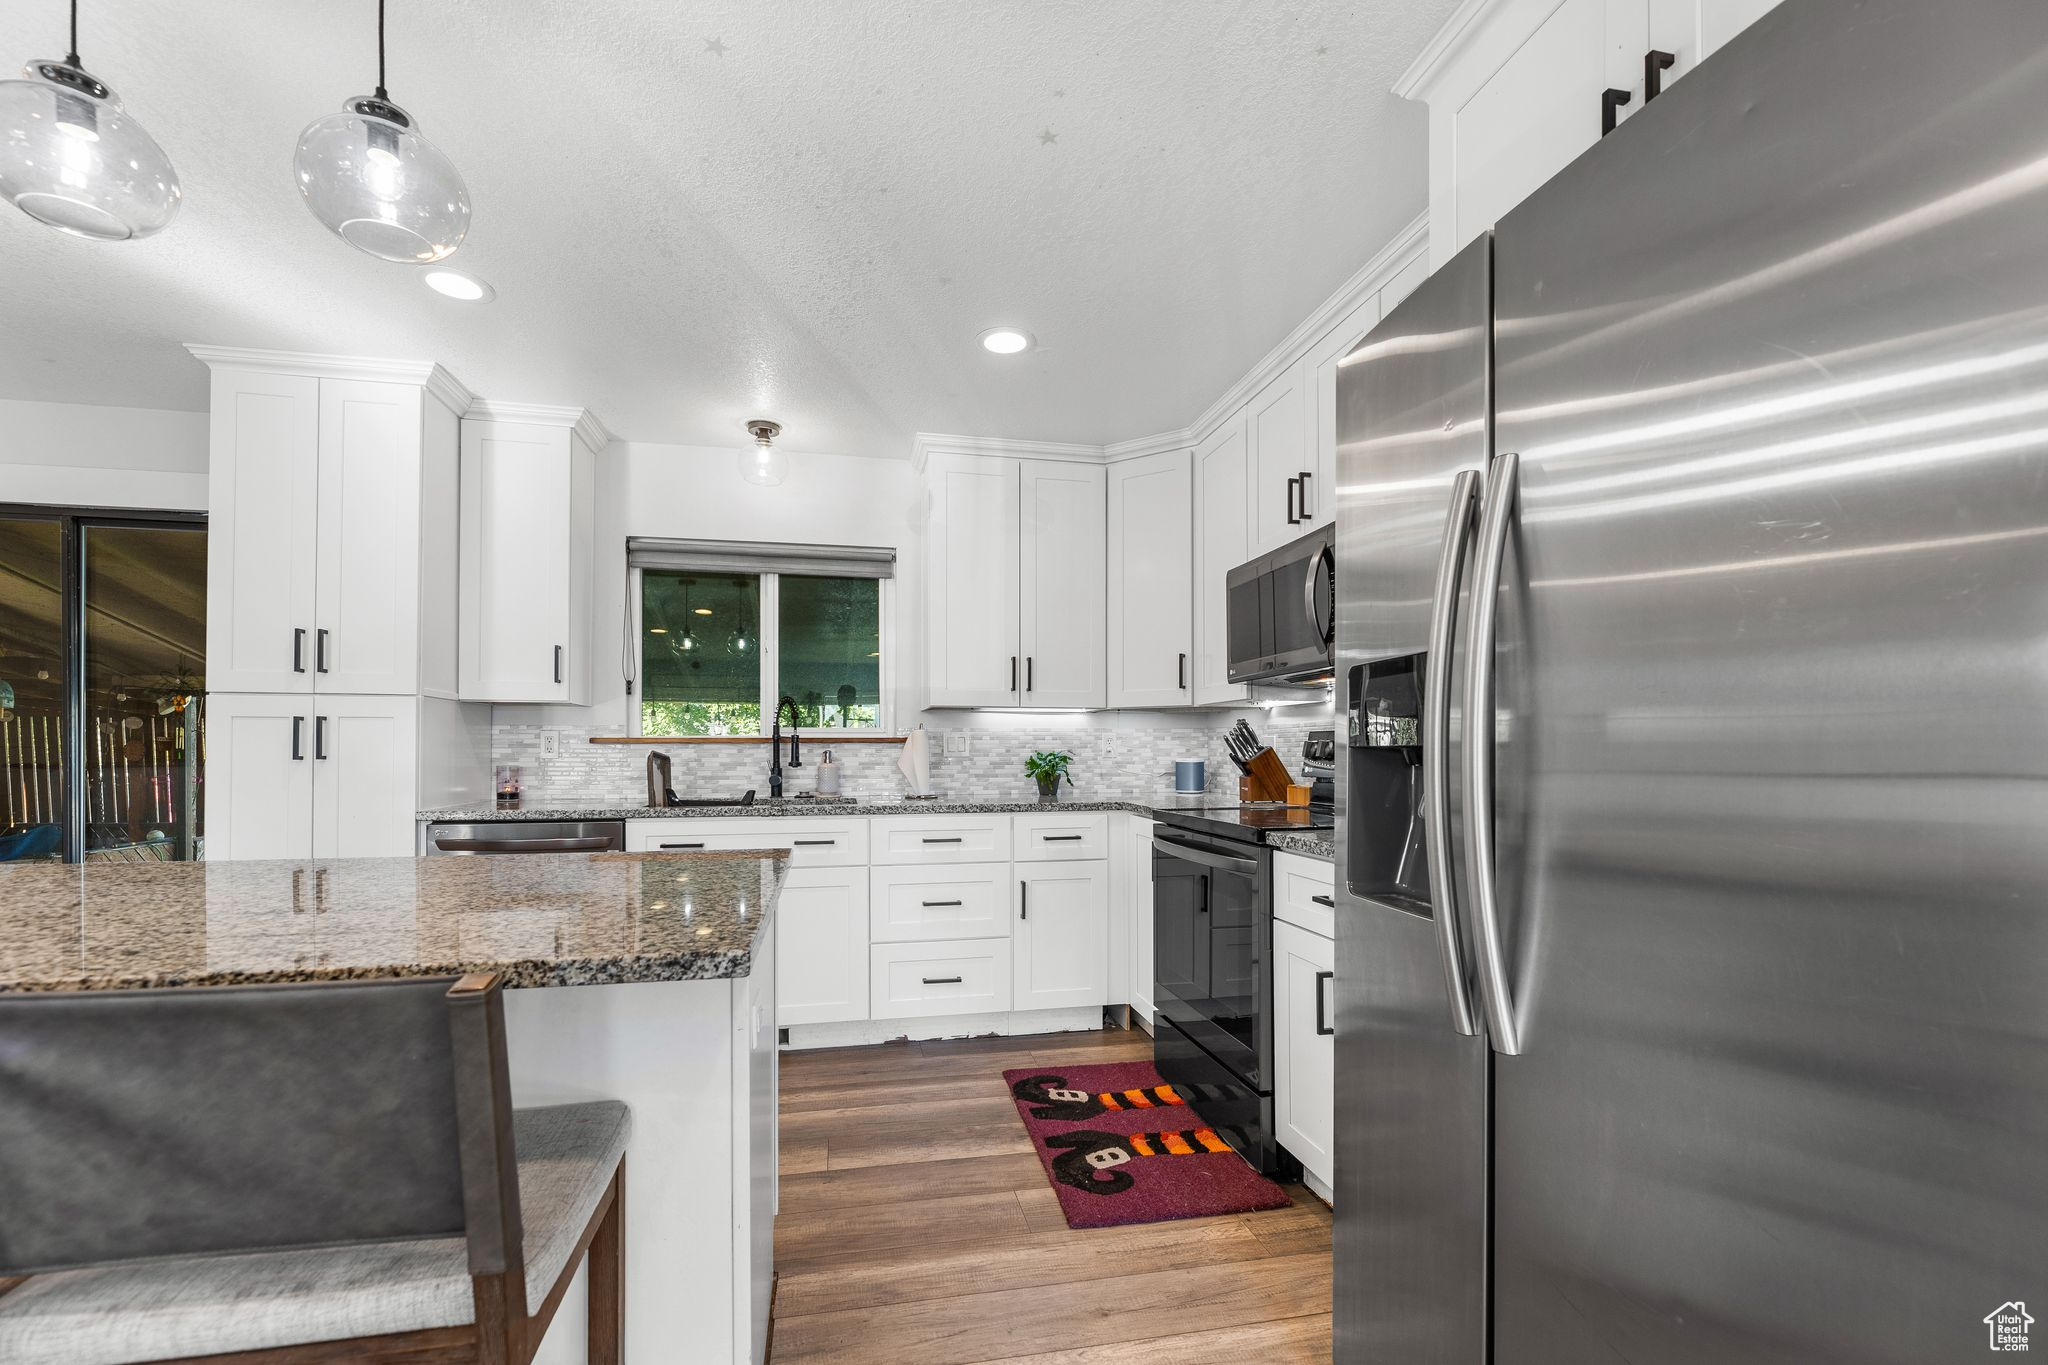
(1495, 520)
(1436, 746)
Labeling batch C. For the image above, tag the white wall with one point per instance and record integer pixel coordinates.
(78, 455)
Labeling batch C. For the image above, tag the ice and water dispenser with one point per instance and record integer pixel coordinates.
(1384, 857)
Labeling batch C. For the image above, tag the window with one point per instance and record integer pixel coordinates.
(720, 644)
(102, 679)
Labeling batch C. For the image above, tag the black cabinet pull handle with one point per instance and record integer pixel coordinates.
(1611, 100)
(1324, 900)
(1655, 63)
(1029, 672)
(298, 738)
(696, 845)
(1013, 673)
(942, 981)
(1293, 487)
(558, 663)
(320, 737)
(815, 843)
(1183, 672)
(1301, 480)
(1023, 900)
(942, 904)
(1203, 908)
(942, 838)
(298, 649)
(320, 650)
(1062, 838)
(1322, 1020)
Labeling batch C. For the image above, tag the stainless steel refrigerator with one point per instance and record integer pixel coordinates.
(1692, 990)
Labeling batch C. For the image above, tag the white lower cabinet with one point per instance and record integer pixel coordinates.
(302, 775)
(1061, 935)
(947, 901)
(1304, 1033)
(823, 945)
(962, 976)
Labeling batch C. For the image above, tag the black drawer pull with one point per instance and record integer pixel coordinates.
(946, 839)
(1062, 838)
(1324, 900)
(696, 845)
(942, 981)
(939, 904)
(816, 843)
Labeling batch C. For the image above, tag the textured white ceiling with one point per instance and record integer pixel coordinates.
(812, 224)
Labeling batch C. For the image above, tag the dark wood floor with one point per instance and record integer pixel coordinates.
(917, 1228)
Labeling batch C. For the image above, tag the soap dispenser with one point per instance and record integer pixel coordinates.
(828, 775)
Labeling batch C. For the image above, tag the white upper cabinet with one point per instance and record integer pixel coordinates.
(1519, 88)
(1321, 366)
(331, 516)
(1223, 538)
(1151, 579)
(528, 492)
(1283, 475)
(1018, 559)
(976, 659)
(1060, 581)
(367, 547)
(262, 508)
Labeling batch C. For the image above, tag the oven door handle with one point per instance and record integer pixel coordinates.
(1174, 848)
(586, 844)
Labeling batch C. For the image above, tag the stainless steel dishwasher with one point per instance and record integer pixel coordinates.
(527, 836)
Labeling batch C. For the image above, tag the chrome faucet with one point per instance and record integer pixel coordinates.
(788, 703)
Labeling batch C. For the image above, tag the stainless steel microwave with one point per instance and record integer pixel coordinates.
(1281, 614)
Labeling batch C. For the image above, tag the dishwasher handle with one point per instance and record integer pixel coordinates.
(596, 843)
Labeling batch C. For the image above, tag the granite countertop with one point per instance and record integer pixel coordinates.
(569, 919)
(1316, 843)
(1312, 844)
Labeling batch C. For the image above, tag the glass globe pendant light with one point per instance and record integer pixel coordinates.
(71, 157)
(376, 183)
(763, 465)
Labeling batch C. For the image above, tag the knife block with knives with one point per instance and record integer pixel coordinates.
(1265, 776)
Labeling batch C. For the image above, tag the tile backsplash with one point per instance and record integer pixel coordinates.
(1109, 762)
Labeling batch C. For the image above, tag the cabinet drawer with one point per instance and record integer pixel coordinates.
(1304, 893)
(813, 843)
(949, 901)
(958, 976)
(941, 839)
(1061, 838)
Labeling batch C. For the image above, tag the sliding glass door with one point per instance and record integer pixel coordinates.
(103, 649)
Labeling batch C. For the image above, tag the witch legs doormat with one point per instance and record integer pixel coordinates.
(1121, 1146)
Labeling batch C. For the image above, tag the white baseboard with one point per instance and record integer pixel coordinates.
(1318, 1188)
(1005, 1024)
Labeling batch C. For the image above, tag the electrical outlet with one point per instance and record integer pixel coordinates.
(550, 744)
(956, 743)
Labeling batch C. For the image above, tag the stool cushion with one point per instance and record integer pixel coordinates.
(167, 1309)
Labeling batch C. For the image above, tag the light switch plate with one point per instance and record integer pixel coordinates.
(956, 743)
(550, 744)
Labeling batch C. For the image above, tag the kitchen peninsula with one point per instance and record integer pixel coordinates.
(660, 977)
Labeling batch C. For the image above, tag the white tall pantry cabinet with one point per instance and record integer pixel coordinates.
(331, 605)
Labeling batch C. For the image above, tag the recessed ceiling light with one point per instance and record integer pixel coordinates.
(1005, 340)
(456, 285)
(703, 611)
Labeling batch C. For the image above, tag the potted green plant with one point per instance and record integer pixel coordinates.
(1050, 769)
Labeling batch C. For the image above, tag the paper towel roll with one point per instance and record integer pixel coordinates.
(915, 762)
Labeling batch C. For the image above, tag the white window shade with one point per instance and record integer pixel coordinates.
(756, 557)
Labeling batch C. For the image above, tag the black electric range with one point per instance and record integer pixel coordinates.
(1252, 824)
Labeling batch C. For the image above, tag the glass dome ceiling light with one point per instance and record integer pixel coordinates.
(764, 465)
(368, 175)
(71, 157)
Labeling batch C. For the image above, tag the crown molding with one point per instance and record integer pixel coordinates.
(1443, 45)
(930, 443)
(374, 369)
(585, 422)
(1159, 443)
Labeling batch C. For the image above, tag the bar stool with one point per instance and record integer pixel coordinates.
(293, 1173)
